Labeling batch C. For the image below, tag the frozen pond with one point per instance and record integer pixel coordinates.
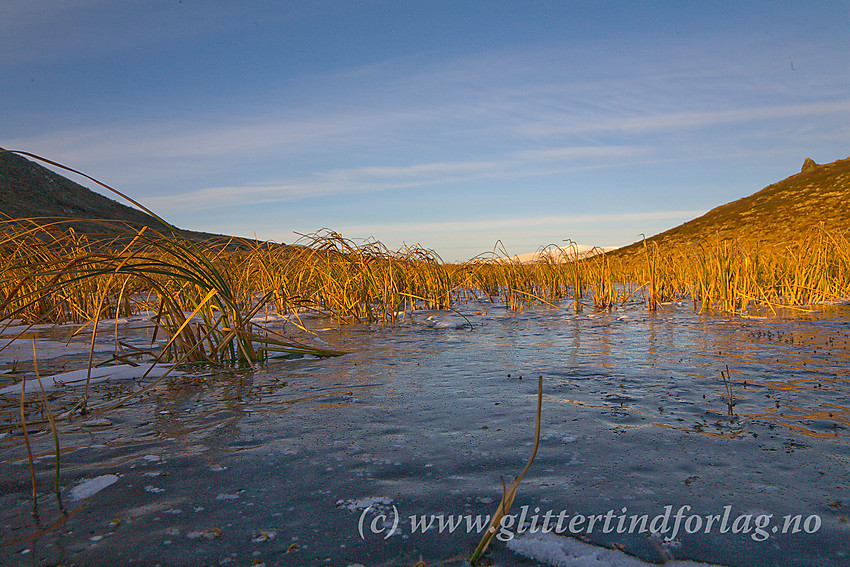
(311, 461)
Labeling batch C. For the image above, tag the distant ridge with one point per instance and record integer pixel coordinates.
(777, 215)
(28, 190)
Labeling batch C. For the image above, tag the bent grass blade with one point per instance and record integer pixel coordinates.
(509, 494)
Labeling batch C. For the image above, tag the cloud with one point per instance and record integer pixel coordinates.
(195, 138)
(450, 123)
(422, 170)
(571, 153)
(214, 197)
(386, 178)
(507, 223)
(677, 121)
(460, 239)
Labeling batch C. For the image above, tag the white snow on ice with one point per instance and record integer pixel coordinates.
(78, 378)
(559, 551)
(90, 486)
(21, 349)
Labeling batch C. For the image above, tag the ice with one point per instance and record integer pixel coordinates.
(445, 322)
(90, 487)
(77, 378)
(559, 551)
(21, 349)
(364, 503)
(97, 423)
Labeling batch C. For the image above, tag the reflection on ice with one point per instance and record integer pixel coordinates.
(276, 464)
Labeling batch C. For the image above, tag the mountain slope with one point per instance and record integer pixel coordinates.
(778, 214)
(29, 190)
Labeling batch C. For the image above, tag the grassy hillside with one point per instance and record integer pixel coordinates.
(29, 190)
(779, 214)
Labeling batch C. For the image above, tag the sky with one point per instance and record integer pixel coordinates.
(452, 125)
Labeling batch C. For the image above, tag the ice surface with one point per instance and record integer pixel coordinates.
(91, 486)
(559, 551)
(306, 460)
(364, 503)
(445, 322)
(77, 378)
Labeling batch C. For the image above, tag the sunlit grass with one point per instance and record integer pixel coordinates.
(49, 274)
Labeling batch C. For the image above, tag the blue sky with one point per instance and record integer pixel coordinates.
(448, 124)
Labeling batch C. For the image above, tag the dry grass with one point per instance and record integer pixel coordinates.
(716, 274)
(52, 275)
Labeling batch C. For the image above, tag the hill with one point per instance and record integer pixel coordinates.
(778, 214)
(29, 190)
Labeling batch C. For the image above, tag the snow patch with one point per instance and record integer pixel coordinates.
(77, 378)
(559, 551)
(91, 486)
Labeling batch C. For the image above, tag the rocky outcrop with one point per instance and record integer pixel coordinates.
(808, 165)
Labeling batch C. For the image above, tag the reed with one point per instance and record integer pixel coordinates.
(53, 429)
(576, 269)
(509, 493)
(29, 456)
(145, 272)
(727, 383)
(603, 289)
(49, 274)
(731, 275)
(652, 294)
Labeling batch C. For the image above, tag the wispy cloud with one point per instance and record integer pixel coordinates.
(385, 178)
(197, 138)
(676, 121)
(459, 239)
(215, 197)
(422, 170)
(572, 153)
(490, 113)
(196, 111)
(512, 223)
